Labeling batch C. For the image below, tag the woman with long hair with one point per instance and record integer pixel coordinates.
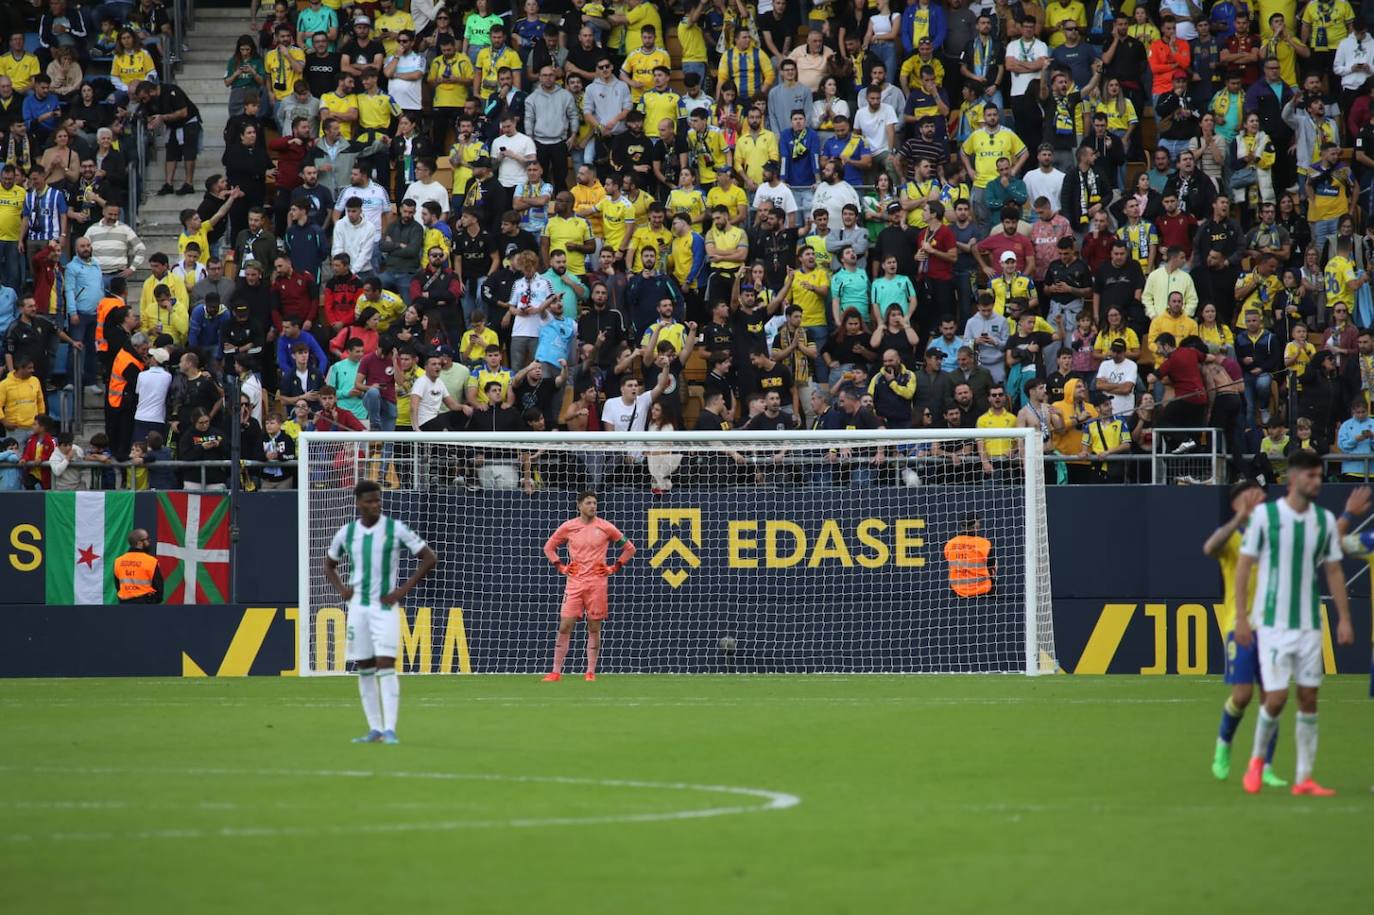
(60, 161)
(881, 36)
(131, 63)
(662, 464)
(896, 333)
(1218, 337)
(875, 205)
(1123, 122)
(244, 73)
(828, 106)
(849, 347)
(88, 115)
(1115, 328)
(1209, 148)
(1252, 150)
(729, 113)
(1299, 229)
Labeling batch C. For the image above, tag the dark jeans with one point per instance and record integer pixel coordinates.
(553, 157)
(1227, 414)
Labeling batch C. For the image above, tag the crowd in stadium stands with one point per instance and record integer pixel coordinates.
(1089, 217)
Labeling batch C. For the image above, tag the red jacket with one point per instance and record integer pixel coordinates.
(340, 299)
(342, 419)
(47, 291)
(290, 158)
(295, 298)
(40, 448)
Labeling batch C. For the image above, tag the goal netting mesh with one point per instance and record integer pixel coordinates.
(820, 552)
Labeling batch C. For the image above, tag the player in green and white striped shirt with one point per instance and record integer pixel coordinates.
(373, 546)
(1290, 539)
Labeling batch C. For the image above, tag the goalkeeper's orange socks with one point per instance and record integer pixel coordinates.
(560, 651)
(593, 652)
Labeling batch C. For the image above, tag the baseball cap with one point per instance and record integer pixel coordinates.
(444, 351)
(483, 161)
(723, 169)
(1008, 256)
(363, 18)
(1118, 345)
(894, 207)
(159, 354)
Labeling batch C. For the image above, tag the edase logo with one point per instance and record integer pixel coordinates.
(780, 543)
(663, 518)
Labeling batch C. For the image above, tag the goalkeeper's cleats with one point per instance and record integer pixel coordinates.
(373, 736)
(1310, 788)
(589, 676)
(1272, 779)
(1221, 761)
(1254, 775)
(389, 736)
(552, 678)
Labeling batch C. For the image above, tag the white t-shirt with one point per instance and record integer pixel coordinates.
(1126, 371)
(374, 200)
(406, 92)
(529, 293)
(421, 192)
(1026, 52)
(1039, 184)
(619, 416)
(431, 394)
(873, 125)
(780, 196)
(512, 173)
(152, 389)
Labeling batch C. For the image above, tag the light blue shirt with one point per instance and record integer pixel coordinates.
(342, 376)
(83, 287)
(555, 340)
(1350, 442)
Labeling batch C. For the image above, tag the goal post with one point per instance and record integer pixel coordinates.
(758, 552)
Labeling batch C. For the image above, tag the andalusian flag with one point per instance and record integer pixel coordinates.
(85, 532)
(193, 547)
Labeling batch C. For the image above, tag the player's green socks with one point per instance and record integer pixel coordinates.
(390, 687)
(367, 689)
(1306, 733)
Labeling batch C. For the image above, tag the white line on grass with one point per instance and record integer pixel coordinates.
(774, 800)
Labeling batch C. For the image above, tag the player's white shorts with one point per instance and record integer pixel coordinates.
(373, 632)
(1289, 654)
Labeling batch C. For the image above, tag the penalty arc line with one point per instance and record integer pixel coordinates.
(776, 800)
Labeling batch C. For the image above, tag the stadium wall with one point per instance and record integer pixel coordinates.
(1132, 595)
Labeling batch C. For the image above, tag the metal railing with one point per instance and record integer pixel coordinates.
(138, 162)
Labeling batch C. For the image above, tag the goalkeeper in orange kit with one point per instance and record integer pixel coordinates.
(587, 537)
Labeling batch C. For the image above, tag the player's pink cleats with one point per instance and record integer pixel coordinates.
(1254, 775)
(552, 678)
(1310, 788)
(589, 676)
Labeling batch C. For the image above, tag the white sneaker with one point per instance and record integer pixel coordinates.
(1185, 447)
(95, 389)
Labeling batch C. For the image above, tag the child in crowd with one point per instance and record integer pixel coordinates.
(11, 479)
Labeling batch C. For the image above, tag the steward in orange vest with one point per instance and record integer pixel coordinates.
(971, 566)
(121, 396)
(136, 572)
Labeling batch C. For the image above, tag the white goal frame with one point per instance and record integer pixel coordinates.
(1031, 449)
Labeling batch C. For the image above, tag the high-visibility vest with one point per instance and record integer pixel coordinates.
(968, 565)
(134, 573)
(102, 311)
(123, 359)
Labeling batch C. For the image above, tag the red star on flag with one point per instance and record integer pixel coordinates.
(88, 556)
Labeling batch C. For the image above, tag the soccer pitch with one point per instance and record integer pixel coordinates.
(690, 794)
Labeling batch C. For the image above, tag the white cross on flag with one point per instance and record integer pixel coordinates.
(193, 547)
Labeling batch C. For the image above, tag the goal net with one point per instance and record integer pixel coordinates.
(839, 552)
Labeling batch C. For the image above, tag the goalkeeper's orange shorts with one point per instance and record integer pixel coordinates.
(587, 593)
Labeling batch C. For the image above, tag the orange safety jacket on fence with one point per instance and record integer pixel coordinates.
(134, 573)
(968, 565)
(118, 383)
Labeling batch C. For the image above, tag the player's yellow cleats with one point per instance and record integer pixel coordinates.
(1310, 788)
(552, 678)
(589, 677)
(1254, 775)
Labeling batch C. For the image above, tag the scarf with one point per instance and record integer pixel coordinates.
(1087, 194)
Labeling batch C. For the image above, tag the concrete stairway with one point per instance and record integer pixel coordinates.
(202, 78)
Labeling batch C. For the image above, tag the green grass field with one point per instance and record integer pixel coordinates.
(969, 794)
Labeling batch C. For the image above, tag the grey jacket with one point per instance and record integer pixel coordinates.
(347, 153)
(401, 244)
(841, 238)
(551, 117)
(782, 101)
